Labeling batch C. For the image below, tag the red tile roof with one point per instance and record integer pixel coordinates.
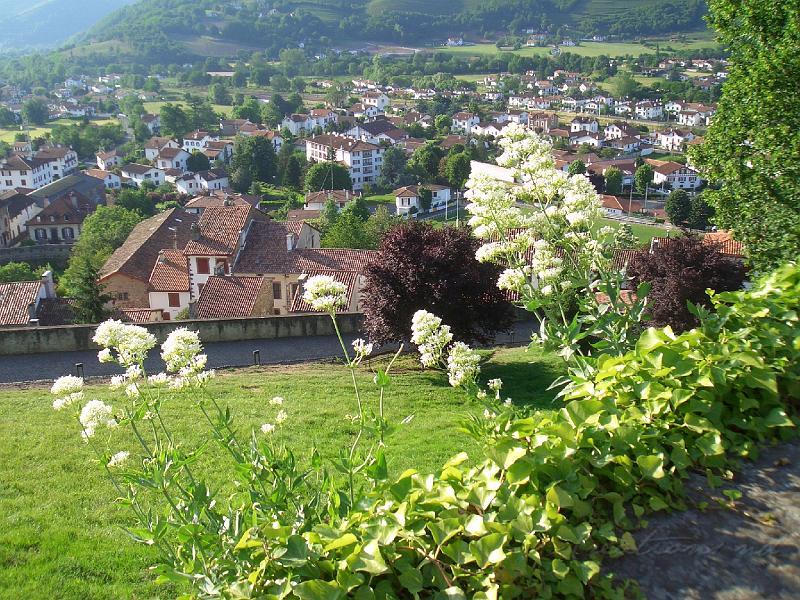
(349, 278)
(138, 315)
(220, 228)
(170, 273)
(70, 209)
(229, 297)
(15, 298)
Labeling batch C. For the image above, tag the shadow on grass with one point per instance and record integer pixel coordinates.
(526, 375)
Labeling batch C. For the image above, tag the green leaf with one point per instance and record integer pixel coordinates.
(560, 497)
(777, 417)
(369, 560)
(451, 593)
(411, 579)
(317, 589)
(341, 542)
(652, 466)
(488, 550)
(628, 543)
(382, 379)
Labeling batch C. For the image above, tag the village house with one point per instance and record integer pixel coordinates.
(377, 99)
(234, 297)
(205, 200)
(168, 289)
(648, 110)
(152, 122)
(318, 200)
(221, 150)
(584, 124)
(543, 122)
(671, 175)
(627, 144)
(63, 160)
(172, 158)
(111, 180)
(407, 198)
(108, 160)
(138, 175)
(89, 187)
(198, 140)
(360, 111)
(60, 222)
(620, 129)
(16, 209)
(363, 160)
(30, 303)
(22, 172)
(464, 121)
(375, 132)
(154, 146)
(274, 136)
(202, 181)
(674, 139)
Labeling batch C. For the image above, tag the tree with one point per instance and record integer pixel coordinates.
(135, 200)
(443, 123)
(425, 199)
(330, 213)
(253, 160)
(424, 162)
(457, 169)
(623, 84)
(35, 111)
(250, 109)
(577, 167)
(678, 207)
(643, 177)
(103, 231)
(358, 208)
(337, 95)
(347, 232)
(198, 162)
(17, 271)
(328, 176)
(700, 213)
(293, 174)
(613, 181)
(174, 121)
(752, 147)
(395, 160)
(680, 270)
(219, 94)
(421, 267)
(378, 224)
(89, 301)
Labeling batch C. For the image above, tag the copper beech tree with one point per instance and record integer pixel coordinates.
(421, 267)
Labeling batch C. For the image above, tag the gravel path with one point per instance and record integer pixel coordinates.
(48, 366)
(749, 553)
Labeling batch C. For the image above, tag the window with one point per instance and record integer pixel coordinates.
(68, 233)
(276, 290)
(40, 234)
(221, 267)
(165, 316)
(174, 299)
(203, 266)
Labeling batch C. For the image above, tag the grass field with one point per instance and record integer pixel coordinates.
(155, 107)
(8, 135)
(645, 233)
(61, 534)
(587, 48)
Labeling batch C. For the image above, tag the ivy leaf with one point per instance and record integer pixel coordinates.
(369, 559)
(652, 466)
(777, 418)
(411, 579)
(488, 550)
(317, 589)
(345, 540)
(628, 543)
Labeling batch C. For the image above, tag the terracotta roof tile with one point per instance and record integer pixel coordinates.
(349, 278)
(220, 228)
(15, 297)
(170, 273)
(229, 297)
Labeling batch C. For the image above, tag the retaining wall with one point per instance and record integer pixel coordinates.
(56, 254)
(70, 338)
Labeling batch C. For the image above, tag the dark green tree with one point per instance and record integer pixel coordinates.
(457, 169)
(219, 94)
(752, 148)
(357, 207)
(198, 162)
(89, 301)
(613, 181)
(328, 176)
(425, 199)
(643, 178)
(700, 213)
(35, 111)
(174, 121)
(253, 160)
(678, 207)
(577, 167)
(347, 232)
(17, 271)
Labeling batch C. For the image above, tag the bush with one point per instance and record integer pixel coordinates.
(680, 270)
(420, 267)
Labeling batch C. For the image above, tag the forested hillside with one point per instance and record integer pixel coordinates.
(49, 23)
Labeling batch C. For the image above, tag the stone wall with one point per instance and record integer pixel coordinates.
(55, 254)
(69, 338)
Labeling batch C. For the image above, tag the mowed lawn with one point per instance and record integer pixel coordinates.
(61, 533)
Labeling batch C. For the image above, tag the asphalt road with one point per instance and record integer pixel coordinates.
(48, 366)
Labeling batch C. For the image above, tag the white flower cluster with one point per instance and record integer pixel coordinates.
(181, 350)
(94, 414)
(463, 365)
(126, 344)
(119, 458)
(68, 389)
(562, 210)
(280, 417)
(430, 336)
(362, 349)
(324, 293)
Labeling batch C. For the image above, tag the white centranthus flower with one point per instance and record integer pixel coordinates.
(267, 428)
(362, 348)
(180, 349)
(117, 381)
(281, 417)
(324, 293)
(119, 458)
(159, 380)
(68, 384)
(131, 342)
(105, 356)
(68, 400)
(495, 384)
(276, 401)
(94, 414)
(463, 365)
(430, 336)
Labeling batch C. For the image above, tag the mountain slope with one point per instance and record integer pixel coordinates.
(322, 24)
(49, 23)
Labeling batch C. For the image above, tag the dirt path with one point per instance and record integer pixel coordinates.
(725, 554)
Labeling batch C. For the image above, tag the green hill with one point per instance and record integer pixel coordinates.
(49, 23)
(155, 25)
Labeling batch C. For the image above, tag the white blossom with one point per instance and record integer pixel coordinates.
(281, 417)
(119, 458)
(324, 293)
(131, 342)
(94, 414)
(159, 380)
(117, 381)
(267, 428)
(495, 384)
(105, 356)
(68, 400)
(181, 349)
(68, 384)
(276, 401)
(430, 336)
(362, 348)
(463, 365)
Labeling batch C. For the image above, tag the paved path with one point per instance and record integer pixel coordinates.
(750, 553)
(48, 366)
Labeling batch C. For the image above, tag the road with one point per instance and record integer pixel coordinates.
(48, 366)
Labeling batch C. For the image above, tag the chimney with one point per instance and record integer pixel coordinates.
(32, 311)
(290, 242)
(49, 284)
(74, 198)
(195, 232)
(161, 259)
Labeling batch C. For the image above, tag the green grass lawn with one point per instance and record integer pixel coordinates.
(9, 135)
(381, 198)
(645, 233)
(61, 533)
